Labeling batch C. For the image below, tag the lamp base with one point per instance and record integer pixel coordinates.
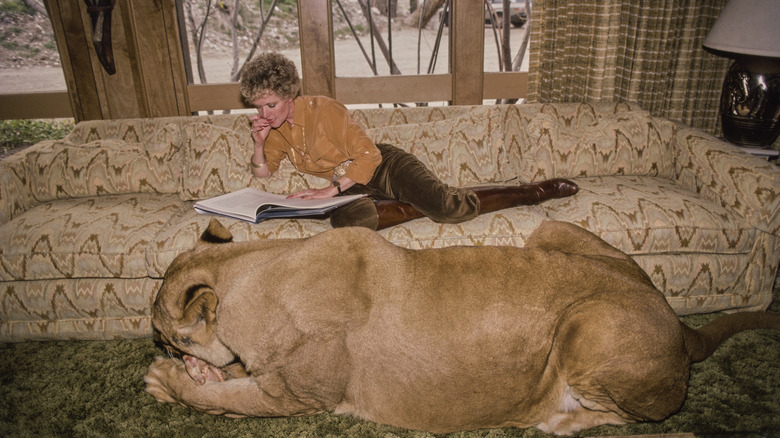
(750, 103)
(748, 132)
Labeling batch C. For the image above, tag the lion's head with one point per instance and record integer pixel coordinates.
(184, 312)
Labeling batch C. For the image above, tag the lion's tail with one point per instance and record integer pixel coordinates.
(702, 342)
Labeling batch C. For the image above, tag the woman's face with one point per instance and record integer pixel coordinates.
(274, 109)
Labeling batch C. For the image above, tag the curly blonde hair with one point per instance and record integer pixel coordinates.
(269, 72)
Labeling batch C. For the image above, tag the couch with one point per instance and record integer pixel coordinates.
(89, 223)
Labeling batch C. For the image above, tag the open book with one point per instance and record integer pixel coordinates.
(254, 205)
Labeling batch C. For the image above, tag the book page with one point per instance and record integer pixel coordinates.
(248, 202)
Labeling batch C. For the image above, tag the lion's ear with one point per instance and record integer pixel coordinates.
(200, 306)
(216, 233)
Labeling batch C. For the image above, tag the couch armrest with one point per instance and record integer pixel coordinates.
(15, 194)
(722, 173)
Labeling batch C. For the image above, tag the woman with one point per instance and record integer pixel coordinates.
(319, 137)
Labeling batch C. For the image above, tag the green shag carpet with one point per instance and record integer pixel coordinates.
(96, 389)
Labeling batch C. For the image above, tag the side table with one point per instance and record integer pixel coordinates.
(768, 154)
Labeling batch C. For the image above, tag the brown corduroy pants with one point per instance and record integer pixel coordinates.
(403, 177)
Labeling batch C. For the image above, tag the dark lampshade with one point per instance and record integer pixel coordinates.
(748, 32)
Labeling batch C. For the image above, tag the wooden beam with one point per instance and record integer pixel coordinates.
(467, 33)
(505, 85)
(48, 105)
(149, 80)
(214, 97)
(394, 89)
(156, 51)
(121, 94)
(318, 62)
(374, 89)
(352, 90)
(73, 46)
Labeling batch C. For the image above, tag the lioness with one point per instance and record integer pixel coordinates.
(564, 334)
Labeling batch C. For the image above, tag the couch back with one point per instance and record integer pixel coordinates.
(467, 145)
(579, 140)
(204, 156)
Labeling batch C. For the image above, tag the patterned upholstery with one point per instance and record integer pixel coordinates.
(64, 171)
(462, 151)
(630, 144)
(89, 224)
(103, 237)
(216, 161)
(77, 308)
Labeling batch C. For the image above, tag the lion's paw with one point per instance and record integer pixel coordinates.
(159, 377)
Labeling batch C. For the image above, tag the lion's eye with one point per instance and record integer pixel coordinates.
(184, 341)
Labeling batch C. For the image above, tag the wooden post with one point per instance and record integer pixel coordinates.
(150, 78)
(468, 51)
(68, 25)
(318, 62)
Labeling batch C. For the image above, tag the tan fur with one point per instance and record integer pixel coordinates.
(565, 334)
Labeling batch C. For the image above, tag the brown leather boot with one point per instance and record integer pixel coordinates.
(494, 198)
(392, 213)
(491, 198)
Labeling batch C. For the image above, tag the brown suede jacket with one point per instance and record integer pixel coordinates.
(322, 137)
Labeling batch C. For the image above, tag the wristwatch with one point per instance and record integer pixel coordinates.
(337, 185)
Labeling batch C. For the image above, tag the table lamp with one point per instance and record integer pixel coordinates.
(748, 31)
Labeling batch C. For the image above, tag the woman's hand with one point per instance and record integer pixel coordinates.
(260, 129)
(324, 193)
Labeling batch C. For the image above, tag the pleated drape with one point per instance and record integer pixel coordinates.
(648, 52)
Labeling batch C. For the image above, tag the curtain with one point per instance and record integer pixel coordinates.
(644, 51)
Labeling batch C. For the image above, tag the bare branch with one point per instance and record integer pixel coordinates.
(506, 53)
(521, 51)
(198, 33)
(422, 15)
(495, 27)
(271, 9)
(357, 37)
(394, 70)
(234, 37)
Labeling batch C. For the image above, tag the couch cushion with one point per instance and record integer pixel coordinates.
(510, 227)
(216, 161)
(183, 232)
(649, 215)
(630, 143)
(463, 151)
(105, 236)
(63, 170)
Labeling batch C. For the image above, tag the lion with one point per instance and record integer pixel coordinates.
(564, 334)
